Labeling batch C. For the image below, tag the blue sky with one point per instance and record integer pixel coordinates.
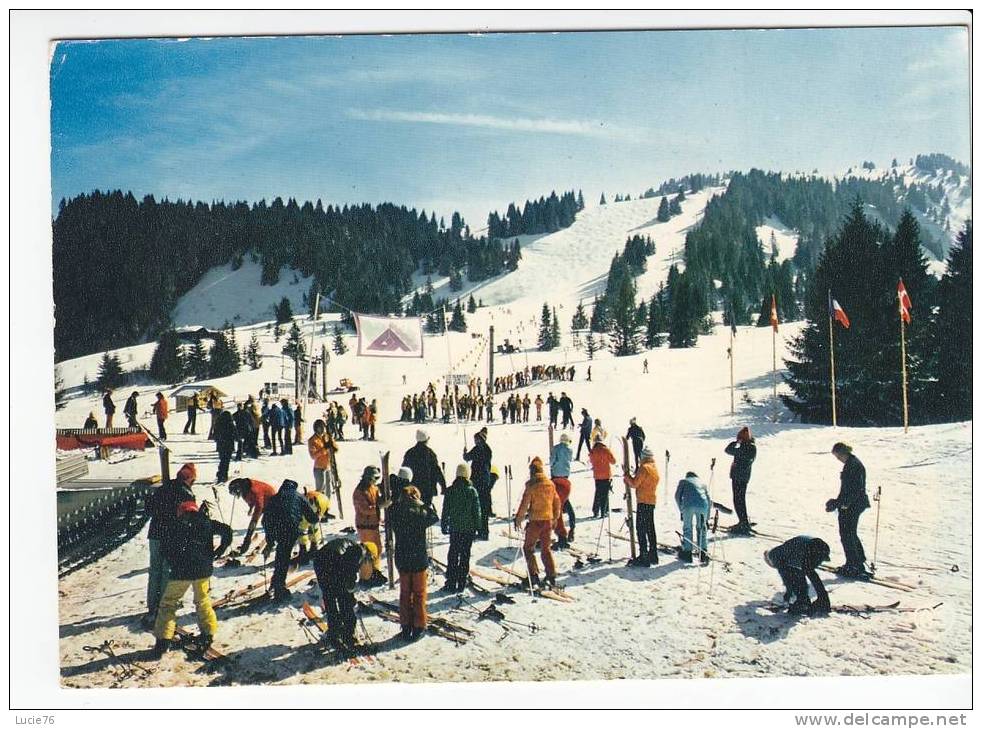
(473, 122)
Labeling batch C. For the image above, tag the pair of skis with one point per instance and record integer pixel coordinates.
(315, 619)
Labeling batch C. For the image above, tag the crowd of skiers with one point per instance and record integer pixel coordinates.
(524, 378)
(182, 532)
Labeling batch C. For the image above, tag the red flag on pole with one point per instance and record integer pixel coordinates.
(837, 312)
(903, 301)
(774, 320)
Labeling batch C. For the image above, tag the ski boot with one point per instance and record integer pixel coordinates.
(406, 633)
(304, 556)
(203, 642)
(741, 529)
(282, 595)
(415, 634)
(534, 580)
(704, 559)
(685, 556)
(161, 646)
(800, 607)
(550, 582)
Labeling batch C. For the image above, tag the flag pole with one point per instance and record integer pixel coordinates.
(732, 410)
(452, 392)
(903, 367)
(832, 360)
(774, 368)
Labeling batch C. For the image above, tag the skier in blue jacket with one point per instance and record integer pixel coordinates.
(287, 414)
(692, 498)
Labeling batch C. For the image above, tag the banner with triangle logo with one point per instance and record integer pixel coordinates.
(380, 336)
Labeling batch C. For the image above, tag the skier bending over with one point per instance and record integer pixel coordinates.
(796, 560)
(337, 565)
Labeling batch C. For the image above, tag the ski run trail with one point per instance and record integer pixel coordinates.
(672, 620)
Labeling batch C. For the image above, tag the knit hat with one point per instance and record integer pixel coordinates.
(647, 455)
(370, 473)
(186, 507)
(564, 438)
(634, 421)
(239, 486)
(406, 474)
(482, 434)
(536, 465)
(188, 473)
(463, 471)
(744, 435)
(422, 436)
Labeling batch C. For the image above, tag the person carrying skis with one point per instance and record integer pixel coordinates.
(161, 505)
(225, 435)
(130, 411)
(480, 457)
(337, 565)
(427, 474)
(541, 503)
(559, 466)
(194, 403)
(322, 448)
(190, 551)
(795, 561)
(744, 451)
(410, 518)
(851, 502)
(461, 519)
(310, 531)
(109, 407)
(368, 507)
(692, 498)
(281, 521)
(256, 494)
(586, 428)
(601, 459)
(538, 407)
(636, 436)
(160, 409)
(645, 482)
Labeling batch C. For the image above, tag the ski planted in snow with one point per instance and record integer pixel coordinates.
(629, 496)
(387, 496)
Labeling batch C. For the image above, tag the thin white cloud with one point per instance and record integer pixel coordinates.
(576, 127)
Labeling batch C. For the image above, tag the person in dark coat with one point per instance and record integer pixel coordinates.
(586, 428)
(553, 404)
(281, 521)
(90, 423)
(635, 434)
(480, 459)
(130, 410)
(161, 505)
(795, 560)
(427, 474)
(851, 502)
(744, 451)
(336, 565)
(410, 518)
(243, 431)
(194, 403)
(276, 423)
(108, 407)
(224, 442)
(190, 551)
(566, 405)
(287, 412)
(461, 519)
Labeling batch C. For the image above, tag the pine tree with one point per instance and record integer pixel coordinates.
(284, 311)
(167, 364)
(591, 345)
(60, 393)
(294, 347)
(457, 321)
(603, 200)
(545, 329)
(579, 320)
(456, 280)
(657, 320)
(252, 356)
(951, 329)
(338, 342)
(110, 372)
(277, 332)
(598, 317)
(686, 312)
(554, 335)
(471, 304)
(224, 357)
(624, 320)
(196, 364)
(663, 212)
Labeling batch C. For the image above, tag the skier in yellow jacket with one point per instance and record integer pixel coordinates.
(645, 482)
(541, 503)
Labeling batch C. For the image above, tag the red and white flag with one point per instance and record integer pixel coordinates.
(774, 321)
(837, 312)
(380, 336)
(903, 301)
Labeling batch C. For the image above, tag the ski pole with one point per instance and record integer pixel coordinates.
(876, 538)
(508, 491)
(214, 491)
(668, 457)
